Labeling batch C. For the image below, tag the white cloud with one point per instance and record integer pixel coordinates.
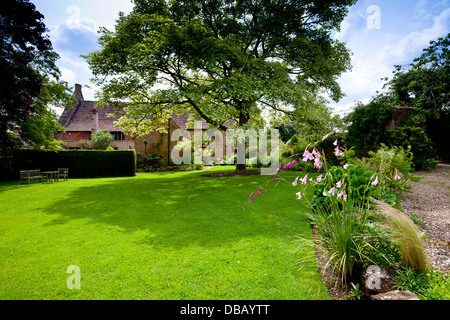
(412, 44)
(67, 75)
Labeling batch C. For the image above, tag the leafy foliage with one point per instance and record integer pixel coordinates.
(101, 140)
(222, 60)
(416, 140)
(30, 79)
(367, 124)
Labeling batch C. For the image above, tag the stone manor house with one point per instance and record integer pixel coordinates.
(84, 119)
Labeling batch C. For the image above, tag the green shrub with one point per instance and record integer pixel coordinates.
(387, 162)
(368, 123)
(101, 140)
(433, 285)
(149, 162)
(81, 163)
(415, 139)
(356, 181)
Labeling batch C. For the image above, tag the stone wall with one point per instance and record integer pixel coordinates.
(156, 142)
(398, 115)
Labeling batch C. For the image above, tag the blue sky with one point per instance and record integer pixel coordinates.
(380, 34)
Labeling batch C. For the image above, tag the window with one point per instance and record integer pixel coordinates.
(118, 136)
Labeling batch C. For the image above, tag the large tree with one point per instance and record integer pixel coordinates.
(221, 59)
(29, 81)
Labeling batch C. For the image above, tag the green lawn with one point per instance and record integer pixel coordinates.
(154, 236)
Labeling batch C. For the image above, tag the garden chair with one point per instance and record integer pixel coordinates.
(63, 173)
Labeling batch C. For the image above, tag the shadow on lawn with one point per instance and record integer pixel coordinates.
(179, 210)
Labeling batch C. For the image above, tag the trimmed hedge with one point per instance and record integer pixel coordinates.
(81, 163)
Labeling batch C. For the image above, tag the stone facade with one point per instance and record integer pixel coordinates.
(156, 142)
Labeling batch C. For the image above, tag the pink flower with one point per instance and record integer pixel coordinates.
(326, 136)
(311, 180)
(279, 168)
(341, 194)
(251, 194)
(375, 182)
(275, 177)
(261, 189)
(345, 197)
(335, 142)
(303, 181)
(318, 163)
(299, 195)
(319, 178)
(339, 184)
(396, 177)
(294, 162)
(295, 182)
(337, 152)
(345, 166)
(258, 193)
(252, 201)
(332, 191)
(315, 153)
(307, 156)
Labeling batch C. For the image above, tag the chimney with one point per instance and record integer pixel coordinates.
(77, 93)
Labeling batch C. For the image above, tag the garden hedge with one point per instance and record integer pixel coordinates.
(81, 163)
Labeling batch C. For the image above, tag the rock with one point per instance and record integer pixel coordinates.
(395, 295)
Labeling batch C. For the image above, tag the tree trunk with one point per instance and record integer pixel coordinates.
(240, 167)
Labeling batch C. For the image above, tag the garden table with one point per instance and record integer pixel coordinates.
(50, 176)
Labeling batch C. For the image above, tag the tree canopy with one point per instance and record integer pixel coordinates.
(220, 59)
(30, 78)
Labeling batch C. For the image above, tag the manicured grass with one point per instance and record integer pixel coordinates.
(154, 236)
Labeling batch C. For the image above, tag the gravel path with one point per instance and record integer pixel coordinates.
(429, 206)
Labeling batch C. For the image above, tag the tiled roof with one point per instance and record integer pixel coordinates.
(82, 116)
